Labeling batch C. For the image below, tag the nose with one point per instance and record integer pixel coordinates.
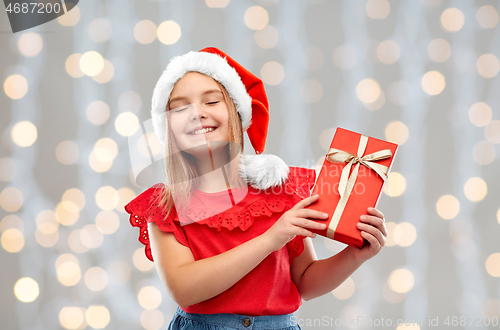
(197, 112)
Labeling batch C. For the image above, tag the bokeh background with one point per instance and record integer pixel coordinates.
(421, 73)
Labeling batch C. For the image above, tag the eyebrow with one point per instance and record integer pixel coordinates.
(210, 91)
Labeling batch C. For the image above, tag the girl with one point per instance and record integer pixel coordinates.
(229, 232)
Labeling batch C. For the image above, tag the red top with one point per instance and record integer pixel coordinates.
(268, 288)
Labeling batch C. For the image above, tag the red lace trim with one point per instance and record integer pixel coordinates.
(144, 209)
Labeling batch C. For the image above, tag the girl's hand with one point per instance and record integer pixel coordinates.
(374, 231)
(293, 222)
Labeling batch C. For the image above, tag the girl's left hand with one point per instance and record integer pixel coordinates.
(373, 229)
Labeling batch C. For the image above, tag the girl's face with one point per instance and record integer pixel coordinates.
(197, 112)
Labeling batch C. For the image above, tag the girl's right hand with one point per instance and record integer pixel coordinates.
(294, 222)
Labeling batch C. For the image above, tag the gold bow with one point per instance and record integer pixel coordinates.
(347, 181)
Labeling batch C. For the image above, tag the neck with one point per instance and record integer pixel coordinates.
(213, 175)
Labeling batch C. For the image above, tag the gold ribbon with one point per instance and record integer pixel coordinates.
(347, 181)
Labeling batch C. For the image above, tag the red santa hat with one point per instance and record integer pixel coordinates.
(245, 89)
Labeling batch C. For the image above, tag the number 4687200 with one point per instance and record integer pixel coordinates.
(36, 7)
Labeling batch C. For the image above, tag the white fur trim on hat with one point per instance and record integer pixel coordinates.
(263, 171)
(207, 63)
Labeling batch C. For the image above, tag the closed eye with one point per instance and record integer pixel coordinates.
(215, 102)
(180, 109)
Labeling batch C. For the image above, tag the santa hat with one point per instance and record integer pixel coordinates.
(249, 96)
(245, 89)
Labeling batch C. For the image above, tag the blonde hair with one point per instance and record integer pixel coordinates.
(180, 166)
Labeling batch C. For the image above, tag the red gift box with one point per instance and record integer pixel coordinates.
(351, 180)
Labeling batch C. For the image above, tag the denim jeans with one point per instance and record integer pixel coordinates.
(188, 321)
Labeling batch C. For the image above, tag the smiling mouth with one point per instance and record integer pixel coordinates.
(203, 131)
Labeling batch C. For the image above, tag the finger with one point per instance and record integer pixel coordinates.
(373, 231)
(306, 223)
(311, 214)
(376, 212)
(372, 220)
(371, 239)
(305, 202)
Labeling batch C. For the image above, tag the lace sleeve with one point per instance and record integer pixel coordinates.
(300, 181)
(144, 209)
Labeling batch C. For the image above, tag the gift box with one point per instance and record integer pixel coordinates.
(351, 180)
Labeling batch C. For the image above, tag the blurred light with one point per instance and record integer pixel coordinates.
(407, 326)
(107, 198)
(106, 74)
(498, 216)
(397, 132)
(492, 131)
(488, 65)
(106, 149)
(96, 164)
(169, 32)
(91, 63)
(388, 52)
(119, 273)
(314, 58)
(433, 82)
(149, 297)
(126, 124)
(267, 37)
(126, 195)
(398, 184)
(311, 91)
(91, 236)
(11, 199)
(141, 262)
(76, 196)
(475, 189)
(447, 207)
(325, 139)
(100, 30)
(379, 102)
(390, 226)
(7, 169)
(129, 101)
(493, 265)
(26, 289)
(67, 152)
(71, 317)
(66, 217)
(72, 66)
(98, 112)
(487, 17)
(401, 280)
(75, 241)
(24, 133)
(439, 50)
(68, 270)
(153, 319)
(256, 18)
(107, 222)
(460, 231)
(15, 86)
(216, 4)
(30, 44)
(484, 153)
(97, 316)
(12, 240)
(272, 73)
(480, 114)
(368, 90)
(452, 19)
(11, 221)
(391, 296)
(96, 278)
(145, 32)
(398, 92)
(345, 290)
(47, 235)
(491, 308)
(70, 18)
(378, 9)
(344, 57)
(405, 234)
